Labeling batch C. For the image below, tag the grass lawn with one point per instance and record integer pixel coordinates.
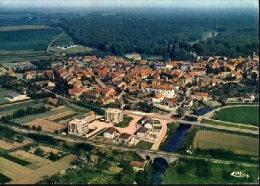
(215, 122)
(4, 179)
(245, 115)
(220, 174)
(3, 93)
(125, 122)
(156, 122)
(144, 145)
(64, 39)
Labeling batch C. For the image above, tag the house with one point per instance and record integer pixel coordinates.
(10, 73)
(137, 165)
(124, 138)
(50, 85)
(93, 158)
(172, 102)
(142, 131)
(158, 98)
(76, 92)
(250, 98)
(188, 102)
(166, 90)
(110, 133)
(49, 74)
(15, 96)
(200, 96)
(113, 115)
(27, 75)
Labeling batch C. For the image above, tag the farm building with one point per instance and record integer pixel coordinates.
(15, 96)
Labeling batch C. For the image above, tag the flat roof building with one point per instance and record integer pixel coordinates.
(113, 115)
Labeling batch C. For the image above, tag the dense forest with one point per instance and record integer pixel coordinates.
(170, 33)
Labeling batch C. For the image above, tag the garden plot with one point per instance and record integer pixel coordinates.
(46, 125)
(237, 143)
(36, 161)
(29, 118)
(60, 115)
(8, 145)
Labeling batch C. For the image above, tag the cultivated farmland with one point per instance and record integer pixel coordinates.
(59, 115)
(8, 145)
(237, 143)
(46, 125)
(36, 39)
(243, 114)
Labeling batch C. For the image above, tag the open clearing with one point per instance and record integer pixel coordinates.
(243, 114)
(46, 125)
(236, 143)
(7, 145)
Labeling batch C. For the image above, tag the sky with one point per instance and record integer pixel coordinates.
(130, 3)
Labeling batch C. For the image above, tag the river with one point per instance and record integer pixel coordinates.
(173, 144)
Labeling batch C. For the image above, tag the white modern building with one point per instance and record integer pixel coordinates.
(80, 125)
(113, 115)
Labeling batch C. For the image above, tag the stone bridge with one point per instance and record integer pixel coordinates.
(170, 158)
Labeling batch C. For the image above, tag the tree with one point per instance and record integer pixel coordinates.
(39, 127)
(39, 152)
(20, 138)
(34, 127)
(142, 177)
(53, 157)
(127, 175)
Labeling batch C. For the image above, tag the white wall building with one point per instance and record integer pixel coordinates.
(166, 90)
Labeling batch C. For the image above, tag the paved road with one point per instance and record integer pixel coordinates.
(49, 46)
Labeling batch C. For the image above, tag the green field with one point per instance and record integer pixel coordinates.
(24, 55)
(144, 145)
(64, 39)
(22, 105)
(245, 115)
(125, 122)
(29, 118)
(215, 122)
(4, 179)
(36, 39)
(3, 93)
(188, 171)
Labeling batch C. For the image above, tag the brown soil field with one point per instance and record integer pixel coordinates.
(60, 115)
(36, 161)
(57, 108)
(8, 146)
(236, 143)
(13, 170)
(46, 124)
